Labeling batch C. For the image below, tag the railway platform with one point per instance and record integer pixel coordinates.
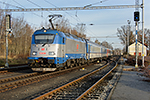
(131, 86)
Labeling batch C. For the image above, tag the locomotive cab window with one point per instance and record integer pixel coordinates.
(42, 39)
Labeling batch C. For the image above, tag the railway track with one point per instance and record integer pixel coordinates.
(81, 88)
(14, 68)
(22, 80)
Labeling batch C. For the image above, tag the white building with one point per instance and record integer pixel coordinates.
(132, 50)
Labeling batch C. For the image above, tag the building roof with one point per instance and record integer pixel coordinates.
(144, 43)
(141, 43)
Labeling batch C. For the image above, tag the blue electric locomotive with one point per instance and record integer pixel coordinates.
(52, 49)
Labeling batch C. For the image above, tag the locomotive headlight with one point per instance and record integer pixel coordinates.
(34, 53)
(51, 53)
(35, 45)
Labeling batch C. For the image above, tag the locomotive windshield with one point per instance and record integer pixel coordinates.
(44, 39)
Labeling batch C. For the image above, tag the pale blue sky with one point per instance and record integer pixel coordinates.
(105, 21)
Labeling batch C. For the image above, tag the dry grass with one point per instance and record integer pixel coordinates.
(12, 60)
(146, 69)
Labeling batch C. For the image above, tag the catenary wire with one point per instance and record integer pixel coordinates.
(10, 5)
(25, 7)
(63, 10)
(69, 15)
(37, 5)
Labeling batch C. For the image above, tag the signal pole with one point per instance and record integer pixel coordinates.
(136, 64)
(8, 30)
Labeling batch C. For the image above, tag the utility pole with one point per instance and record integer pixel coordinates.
(143, 33)
(128, 37)
(136, 19)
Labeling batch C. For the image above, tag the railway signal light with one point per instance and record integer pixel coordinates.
(8, 22)
(136, 16)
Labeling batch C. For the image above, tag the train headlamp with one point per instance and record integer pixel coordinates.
(51, 53)
(35, 45)
(34, 53)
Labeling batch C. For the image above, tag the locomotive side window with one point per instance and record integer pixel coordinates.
(63, 40)
(41, 39)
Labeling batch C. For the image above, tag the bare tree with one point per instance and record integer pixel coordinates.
(107, 45)
(146, 35)
(96, 41)
(21, 37)
(117, 51)
(122, 34)
(80, 28)
(2, 33)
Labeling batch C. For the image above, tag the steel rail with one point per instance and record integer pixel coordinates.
(69, 84)
(92, 87)
(18, 77)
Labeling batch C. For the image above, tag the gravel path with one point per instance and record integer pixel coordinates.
(131, 87)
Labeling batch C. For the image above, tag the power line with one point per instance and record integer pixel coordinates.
(91, 32)
(18, 3)
(95, 3)
(25, 7)
(19, 7)
(63, 10)
(103, 37)
(10, 5)
(37, 5)
(34, 3)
